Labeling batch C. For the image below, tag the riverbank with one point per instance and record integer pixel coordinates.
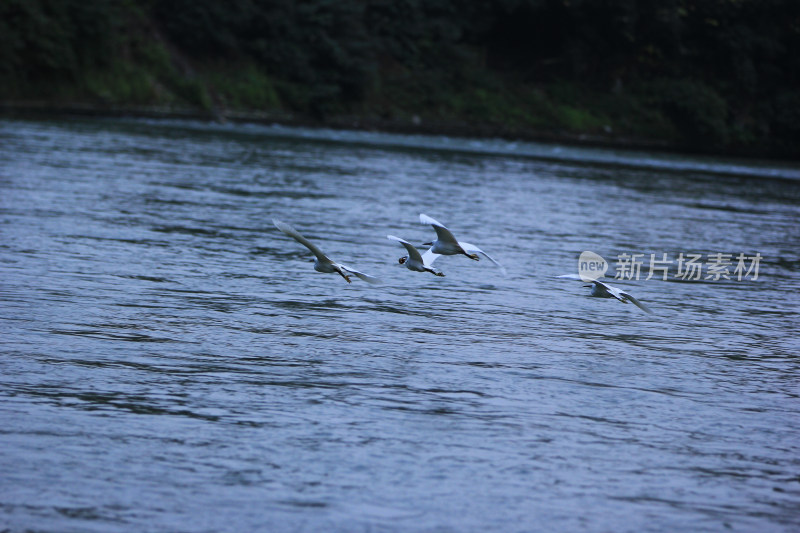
(600, 153)
(695, 78)
(410, 125)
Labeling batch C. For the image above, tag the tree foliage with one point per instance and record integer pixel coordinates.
(724, 72)
(42, 39)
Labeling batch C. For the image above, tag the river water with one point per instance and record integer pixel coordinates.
(172, 362)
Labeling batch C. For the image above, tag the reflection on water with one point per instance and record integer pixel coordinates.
(171, 361)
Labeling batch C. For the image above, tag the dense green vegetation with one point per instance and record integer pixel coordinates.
(715, 75)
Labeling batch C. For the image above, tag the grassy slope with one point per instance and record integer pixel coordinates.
(157, 80)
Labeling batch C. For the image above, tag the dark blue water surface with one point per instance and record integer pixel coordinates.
(172, 362)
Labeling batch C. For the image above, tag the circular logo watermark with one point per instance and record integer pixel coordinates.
(591, 266)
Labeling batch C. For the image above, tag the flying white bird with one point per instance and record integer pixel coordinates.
(604, 290)
(415, 261)
(322, 263)
(446, 244)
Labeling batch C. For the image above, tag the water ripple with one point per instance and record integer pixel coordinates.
(162, 339)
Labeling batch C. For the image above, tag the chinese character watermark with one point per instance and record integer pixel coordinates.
(754, 262)
(687, 267)
(629, 266)
(690, 269)
(660, 264)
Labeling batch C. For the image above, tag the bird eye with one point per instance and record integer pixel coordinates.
(401, 260)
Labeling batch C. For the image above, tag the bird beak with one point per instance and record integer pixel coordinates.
(427, 244)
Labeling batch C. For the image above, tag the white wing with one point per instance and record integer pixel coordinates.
(615, 292)
(361, 275)
(425, 219)
(471, 248)
(575, 277)
(413, 253)
(293, 233)
(429, 257)
(636, 302)
(442, 233)
(623, 296)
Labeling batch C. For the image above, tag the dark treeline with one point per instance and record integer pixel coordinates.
(718, 75)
